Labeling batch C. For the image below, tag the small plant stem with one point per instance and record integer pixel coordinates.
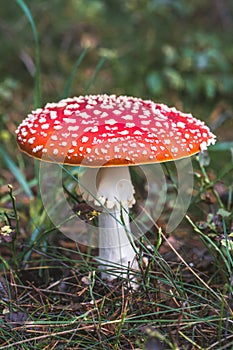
(5, 263)
(194, 344)
(209, 184)
(97, 326)
(230, 193)
(123, 317)
(222, 309)
(16, 226)
(206, 238)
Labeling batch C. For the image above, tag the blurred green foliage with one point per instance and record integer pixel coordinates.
(167, 50)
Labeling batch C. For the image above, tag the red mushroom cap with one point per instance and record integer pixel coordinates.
(107, 130)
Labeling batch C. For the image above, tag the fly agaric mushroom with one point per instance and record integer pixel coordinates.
(107, 134)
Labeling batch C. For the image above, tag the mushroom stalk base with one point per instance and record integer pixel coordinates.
(117, 252)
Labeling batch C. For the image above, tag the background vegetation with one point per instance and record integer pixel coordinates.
(177, 52)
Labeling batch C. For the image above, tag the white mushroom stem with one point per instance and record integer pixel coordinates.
(116, 247)
(112, 189)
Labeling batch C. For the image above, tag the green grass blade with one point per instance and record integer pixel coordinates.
(93, 77)
(17, 173)
(37, 91)
(73, 73)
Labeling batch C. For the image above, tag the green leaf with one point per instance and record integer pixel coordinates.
(223, 213)
(174, 78)
(222, 146)
(16, 171)
(154, 82)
